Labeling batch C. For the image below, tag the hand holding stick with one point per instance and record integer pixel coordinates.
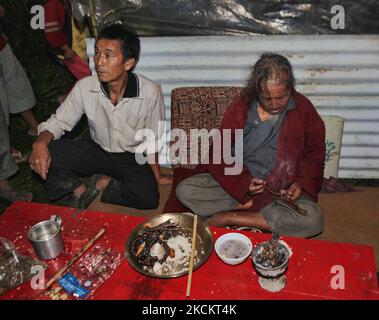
(289, 202)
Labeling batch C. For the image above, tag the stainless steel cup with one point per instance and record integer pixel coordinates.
(46, 238)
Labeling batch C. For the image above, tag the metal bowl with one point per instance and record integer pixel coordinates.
(270, 272)
(204, 243)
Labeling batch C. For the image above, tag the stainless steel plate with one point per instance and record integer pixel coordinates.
(204, 243)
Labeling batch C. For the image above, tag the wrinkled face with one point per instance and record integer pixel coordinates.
(110, 65)
(274, 97)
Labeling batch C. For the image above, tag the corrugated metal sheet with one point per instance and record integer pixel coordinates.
(338, 73)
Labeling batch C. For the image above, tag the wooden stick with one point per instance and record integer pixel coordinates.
(73, 259)
(289, 202)
(194, 232)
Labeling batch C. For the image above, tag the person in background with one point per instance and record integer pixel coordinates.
(8, 166)
(16, 94)
(61, 31)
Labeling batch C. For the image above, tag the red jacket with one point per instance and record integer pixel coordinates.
(56, 20)
(300, 155)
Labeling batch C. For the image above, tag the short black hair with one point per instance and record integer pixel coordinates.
(130, 43)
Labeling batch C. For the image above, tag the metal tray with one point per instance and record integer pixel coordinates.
(204, 242)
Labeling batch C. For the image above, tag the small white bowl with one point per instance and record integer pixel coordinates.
(233, 248)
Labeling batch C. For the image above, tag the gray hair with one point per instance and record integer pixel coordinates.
(270, 66)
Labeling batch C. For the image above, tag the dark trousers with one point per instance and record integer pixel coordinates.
(132, 184)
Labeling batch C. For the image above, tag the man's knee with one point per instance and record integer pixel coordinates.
(285, 221)
(183, 192)
(149, 193)
(315, 225)
(149, 196)
(151, 202)
(145, 197)
(55, 146)
(59, 167)
(59, 150)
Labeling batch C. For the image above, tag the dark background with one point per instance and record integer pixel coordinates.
(237, 17)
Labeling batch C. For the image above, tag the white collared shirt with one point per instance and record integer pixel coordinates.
(114, 128)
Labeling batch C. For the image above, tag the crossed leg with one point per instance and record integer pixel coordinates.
(203, 195)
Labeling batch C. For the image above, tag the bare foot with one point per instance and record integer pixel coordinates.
(79, 190)
(102, 183)
(219, 219)
(245, 206)
(240, 219)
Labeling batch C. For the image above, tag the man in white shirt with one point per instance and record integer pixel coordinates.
(117, 103)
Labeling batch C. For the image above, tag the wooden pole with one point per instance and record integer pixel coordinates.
(194, 232)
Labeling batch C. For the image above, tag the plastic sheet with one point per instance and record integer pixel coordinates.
(228, 17)
(15, 269)
(87, 274)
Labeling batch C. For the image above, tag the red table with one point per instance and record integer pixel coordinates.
(309, 274)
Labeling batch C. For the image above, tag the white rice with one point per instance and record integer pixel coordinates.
(182, 248)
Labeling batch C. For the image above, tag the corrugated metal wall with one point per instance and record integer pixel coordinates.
(338, 73)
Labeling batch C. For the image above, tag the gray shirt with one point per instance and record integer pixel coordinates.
(260, 140)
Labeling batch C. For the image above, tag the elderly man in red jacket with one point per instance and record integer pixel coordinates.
(283, 159)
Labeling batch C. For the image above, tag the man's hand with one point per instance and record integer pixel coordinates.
(164, 180)
(40, 159)
(256, 186)
(293, 192)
